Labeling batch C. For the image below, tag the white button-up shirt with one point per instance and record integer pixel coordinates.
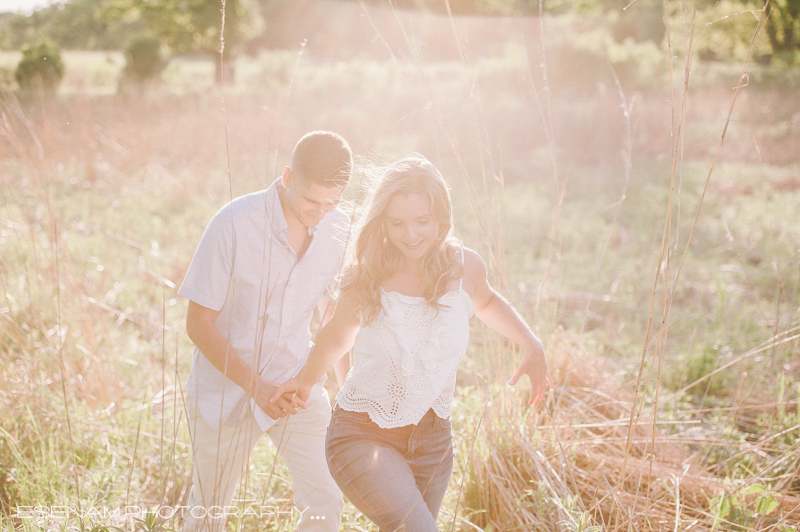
(245, 268)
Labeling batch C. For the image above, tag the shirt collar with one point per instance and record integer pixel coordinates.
(279, 224)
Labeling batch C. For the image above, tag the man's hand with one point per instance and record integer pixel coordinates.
(292, 390)
(533, 365)
(202, 330)
(276, 410)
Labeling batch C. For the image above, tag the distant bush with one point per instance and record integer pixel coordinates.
(581, 62)
(144, 61)
(641, 21)
(6, 79)
(40, 68)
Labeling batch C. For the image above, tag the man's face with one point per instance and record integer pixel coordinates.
(307, 201)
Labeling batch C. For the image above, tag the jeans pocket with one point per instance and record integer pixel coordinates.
(444, 423)
(361, 418)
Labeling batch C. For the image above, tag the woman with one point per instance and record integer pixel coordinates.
(406, 301)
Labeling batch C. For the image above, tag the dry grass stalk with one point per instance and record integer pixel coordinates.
(521, 477)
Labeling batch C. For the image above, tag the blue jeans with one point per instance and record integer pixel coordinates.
(397, 477)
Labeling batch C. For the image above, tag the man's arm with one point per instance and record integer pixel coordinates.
(342, 366)
(212, 343)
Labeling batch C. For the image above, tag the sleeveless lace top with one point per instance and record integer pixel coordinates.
(405, 361)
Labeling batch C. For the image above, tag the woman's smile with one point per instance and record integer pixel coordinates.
(410, 225)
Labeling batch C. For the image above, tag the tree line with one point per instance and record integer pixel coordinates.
(193, 26)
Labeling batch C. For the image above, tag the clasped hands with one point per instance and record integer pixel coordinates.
(279, 401)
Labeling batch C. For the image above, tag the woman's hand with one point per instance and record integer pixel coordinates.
(292, 392)
(533, 365)
(497, 313)
(277, 409)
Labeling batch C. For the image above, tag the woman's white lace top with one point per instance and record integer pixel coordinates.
(405, 361)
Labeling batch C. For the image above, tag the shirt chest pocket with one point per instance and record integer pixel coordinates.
(304, 292)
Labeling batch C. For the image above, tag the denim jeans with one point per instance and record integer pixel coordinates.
(397, 477)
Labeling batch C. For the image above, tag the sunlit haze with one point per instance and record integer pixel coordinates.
(585, 299)
(22, 6)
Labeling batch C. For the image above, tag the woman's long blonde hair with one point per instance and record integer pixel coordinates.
(376, 259)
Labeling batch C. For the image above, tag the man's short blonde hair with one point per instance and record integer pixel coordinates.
(322, 157)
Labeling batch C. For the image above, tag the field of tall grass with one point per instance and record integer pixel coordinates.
(661, 270)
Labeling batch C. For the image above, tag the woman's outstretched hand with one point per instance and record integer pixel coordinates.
(533, 365)
(497, 313)
(293, 391)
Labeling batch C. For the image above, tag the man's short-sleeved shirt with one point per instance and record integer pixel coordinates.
(245, 268)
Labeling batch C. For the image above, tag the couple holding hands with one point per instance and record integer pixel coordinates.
(406, 291)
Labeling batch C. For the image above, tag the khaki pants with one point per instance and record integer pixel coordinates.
(221, 457)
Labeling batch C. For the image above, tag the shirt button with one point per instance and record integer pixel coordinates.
(288, 299)
(284, 330)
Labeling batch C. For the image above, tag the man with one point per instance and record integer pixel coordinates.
(265, 261)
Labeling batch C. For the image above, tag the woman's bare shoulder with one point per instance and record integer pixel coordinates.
(474, 267)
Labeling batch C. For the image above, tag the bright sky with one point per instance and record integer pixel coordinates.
(23, 6)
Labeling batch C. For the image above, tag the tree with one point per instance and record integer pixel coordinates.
(191, 25)
(783, 26)
(642, 20)
(73, 25)
(144, 61)
(40, 68)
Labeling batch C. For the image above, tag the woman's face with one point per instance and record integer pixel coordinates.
(410, 225)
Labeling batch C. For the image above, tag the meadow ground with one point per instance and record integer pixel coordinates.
(676, 363)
